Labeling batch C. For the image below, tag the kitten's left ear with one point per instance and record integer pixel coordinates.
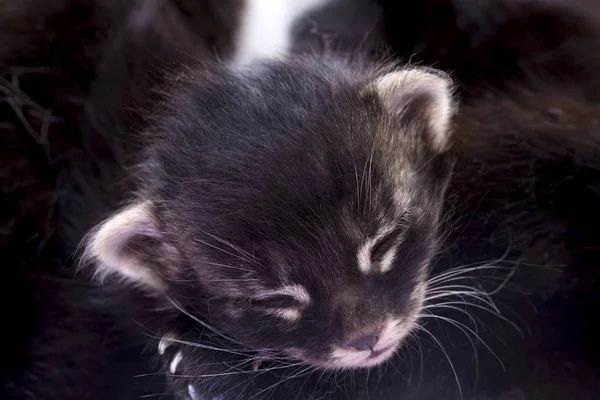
(130, 245)
(421, 97)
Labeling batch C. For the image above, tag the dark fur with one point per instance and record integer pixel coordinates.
(282, 186)
(487, 43)
(528, 181)
(66, 78)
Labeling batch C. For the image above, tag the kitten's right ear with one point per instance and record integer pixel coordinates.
(420, 97)
(131, 245)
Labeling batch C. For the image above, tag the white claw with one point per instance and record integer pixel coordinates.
(193, 394)
(165, 342)
(175, 362)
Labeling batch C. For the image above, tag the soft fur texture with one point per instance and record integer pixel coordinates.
(67, 76)
(282, 189)
(488, 43)
(525, 189)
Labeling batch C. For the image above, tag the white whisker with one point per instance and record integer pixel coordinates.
(199, 321)
(464, 271)
(447, 358)
(462, 326)
(251, 371)
(231, 245)
(308, 370)
(491, 311)
(473, 294)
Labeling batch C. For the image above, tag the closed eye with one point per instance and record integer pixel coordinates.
(276, 302)
(284, 307)
(386, 244)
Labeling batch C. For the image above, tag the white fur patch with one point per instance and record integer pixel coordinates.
(296, 291)
(289, 314)
(265, 30)
(387, 261)
(364, 254)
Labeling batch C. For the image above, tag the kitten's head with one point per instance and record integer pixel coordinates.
(293, 207)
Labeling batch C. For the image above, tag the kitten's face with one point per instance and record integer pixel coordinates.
(335, 277)
(298, 214)
(338, 291)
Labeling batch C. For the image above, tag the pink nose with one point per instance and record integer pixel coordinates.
(365, 342)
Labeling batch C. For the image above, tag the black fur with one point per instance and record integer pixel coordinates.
(65, 79)
(487, 43)
(272, 163)
(526, 174)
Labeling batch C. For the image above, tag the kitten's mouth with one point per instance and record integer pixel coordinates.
(345, 359)
(342, 358)
(377, 353)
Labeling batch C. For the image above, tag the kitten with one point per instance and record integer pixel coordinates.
(290, 210)
(290, 207)
(201, 362)
(301, 215)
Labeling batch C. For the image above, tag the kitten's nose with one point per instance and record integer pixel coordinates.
(366, 342)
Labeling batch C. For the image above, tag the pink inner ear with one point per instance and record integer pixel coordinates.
(418, 96)
(144, 228)
(130, 240)
(130, 245)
